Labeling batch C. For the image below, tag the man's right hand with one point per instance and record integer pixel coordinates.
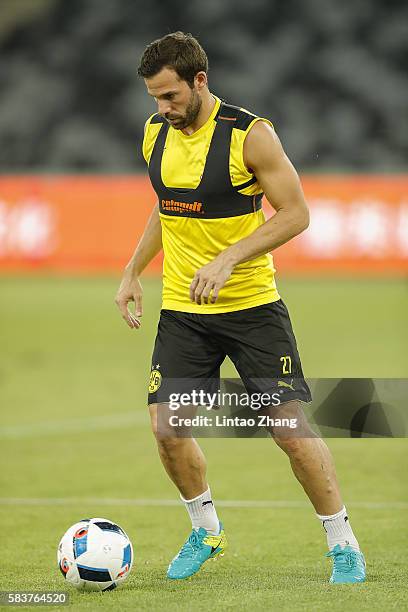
(130, 290)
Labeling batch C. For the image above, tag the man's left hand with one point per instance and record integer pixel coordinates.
(209, 280)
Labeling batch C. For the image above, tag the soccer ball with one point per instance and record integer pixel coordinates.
(95, 555)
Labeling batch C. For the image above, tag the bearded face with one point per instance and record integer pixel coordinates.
(177, 102)
(180, 121)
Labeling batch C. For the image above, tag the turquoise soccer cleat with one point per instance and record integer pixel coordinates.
(199, 547)
(348, 565)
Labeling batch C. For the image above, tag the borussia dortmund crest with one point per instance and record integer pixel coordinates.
(154, 381)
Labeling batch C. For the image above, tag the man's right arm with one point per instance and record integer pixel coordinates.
(130, 289)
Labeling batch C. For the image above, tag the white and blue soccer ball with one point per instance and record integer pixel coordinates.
(95, 555)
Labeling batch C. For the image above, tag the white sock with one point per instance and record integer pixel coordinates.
(338, 529)
(202, 512)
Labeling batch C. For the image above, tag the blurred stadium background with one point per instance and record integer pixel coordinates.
(73, 201)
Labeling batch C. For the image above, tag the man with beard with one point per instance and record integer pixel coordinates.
(210, 164)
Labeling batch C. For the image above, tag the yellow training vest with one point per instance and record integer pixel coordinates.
(191, 238)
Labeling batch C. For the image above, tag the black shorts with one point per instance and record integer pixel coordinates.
(190, 348)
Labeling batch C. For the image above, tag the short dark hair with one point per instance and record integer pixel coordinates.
(179, 51)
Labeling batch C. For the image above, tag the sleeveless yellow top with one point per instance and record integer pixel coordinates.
(190, 243)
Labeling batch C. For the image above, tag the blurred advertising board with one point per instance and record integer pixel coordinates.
(74, 224)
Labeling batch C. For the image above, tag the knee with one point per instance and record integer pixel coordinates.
(167, 442)
(169, 447)
(158, 424)
(291, 446)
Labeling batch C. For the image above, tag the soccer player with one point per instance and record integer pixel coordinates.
(210, 164)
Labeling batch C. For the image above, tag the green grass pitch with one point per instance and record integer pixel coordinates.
(75, 442)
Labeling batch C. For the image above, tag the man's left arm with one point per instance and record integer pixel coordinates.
(264, 155)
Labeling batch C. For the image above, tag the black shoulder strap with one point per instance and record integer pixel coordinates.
(227, 112)
(244, 119)
(157, 154)
(157, 119)
(228, 118)
(216, 170)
